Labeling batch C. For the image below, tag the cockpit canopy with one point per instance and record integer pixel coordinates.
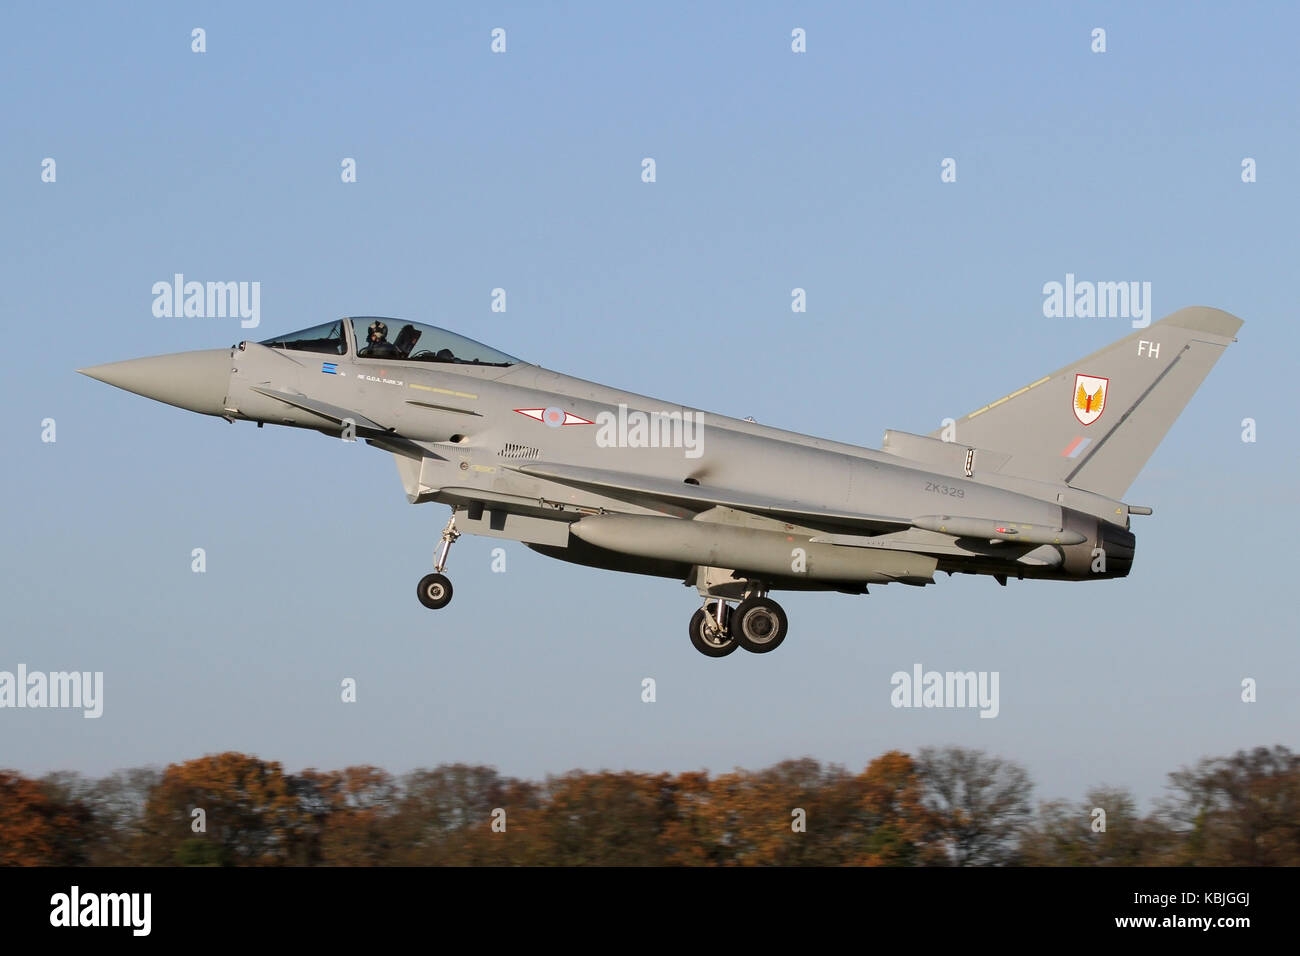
(326, 338)
(378, 337)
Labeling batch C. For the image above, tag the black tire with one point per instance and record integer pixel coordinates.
(434, 591)
(706, 642)
(759, 625)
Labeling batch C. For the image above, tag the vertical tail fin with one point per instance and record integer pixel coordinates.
(1094, 423)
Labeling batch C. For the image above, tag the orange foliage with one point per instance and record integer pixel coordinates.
(35, 829)
(252, 813)
(945, 807)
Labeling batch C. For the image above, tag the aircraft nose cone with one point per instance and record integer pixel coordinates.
(197, 381)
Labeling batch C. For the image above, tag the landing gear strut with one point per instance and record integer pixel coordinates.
(709, 630)
(434, 590)
(758, 624)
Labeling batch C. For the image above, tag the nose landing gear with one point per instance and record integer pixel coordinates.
(434, 590)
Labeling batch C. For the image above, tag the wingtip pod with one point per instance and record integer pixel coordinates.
(1203, 318)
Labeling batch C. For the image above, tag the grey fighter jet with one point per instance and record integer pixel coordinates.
(1030, 485)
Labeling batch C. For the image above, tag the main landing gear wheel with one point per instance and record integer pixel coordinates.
(758, 625)
(706, 637)
(434, 591)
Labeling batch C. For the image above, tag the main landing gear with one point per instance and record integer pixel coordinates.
(758, 624)
(434, 590)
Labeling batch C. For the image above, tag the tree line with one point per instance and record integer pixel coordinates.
(947, 806)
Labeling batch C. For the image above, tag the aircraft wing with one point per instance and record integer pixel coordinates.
(645, 489)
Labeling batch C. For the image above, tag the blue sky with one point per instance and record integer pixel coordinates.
(521, 170)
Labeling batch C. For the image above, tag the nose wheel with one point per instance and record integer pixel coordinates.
(434, 590)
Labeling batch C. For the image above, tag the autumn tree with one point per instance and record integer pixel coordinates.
(797, 812)
(604, 818)
(898, 829)
(251, 814)
(352, 810)
(794, 813)
(37, 828)
(1062, 833)
(444, 817)
(118, 804)
(693, 831)
(946, 806)
(979, 802)
(1242, 810)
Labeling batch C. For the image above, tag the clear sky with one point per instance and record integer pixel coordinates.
(522, 171)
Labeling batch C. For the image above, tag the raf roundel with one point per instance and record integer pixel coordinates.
(554, 417)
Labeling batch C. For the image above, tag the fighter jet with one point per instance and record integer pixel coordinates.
(1027, 486)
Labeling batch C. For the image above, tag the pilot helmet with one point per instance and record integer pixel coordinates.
(379, 327)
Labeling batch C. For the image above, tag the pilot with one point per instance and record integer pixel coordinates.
(377, 344)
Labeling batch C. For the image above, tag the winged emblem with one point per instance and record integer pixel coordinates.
(1089, 397)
